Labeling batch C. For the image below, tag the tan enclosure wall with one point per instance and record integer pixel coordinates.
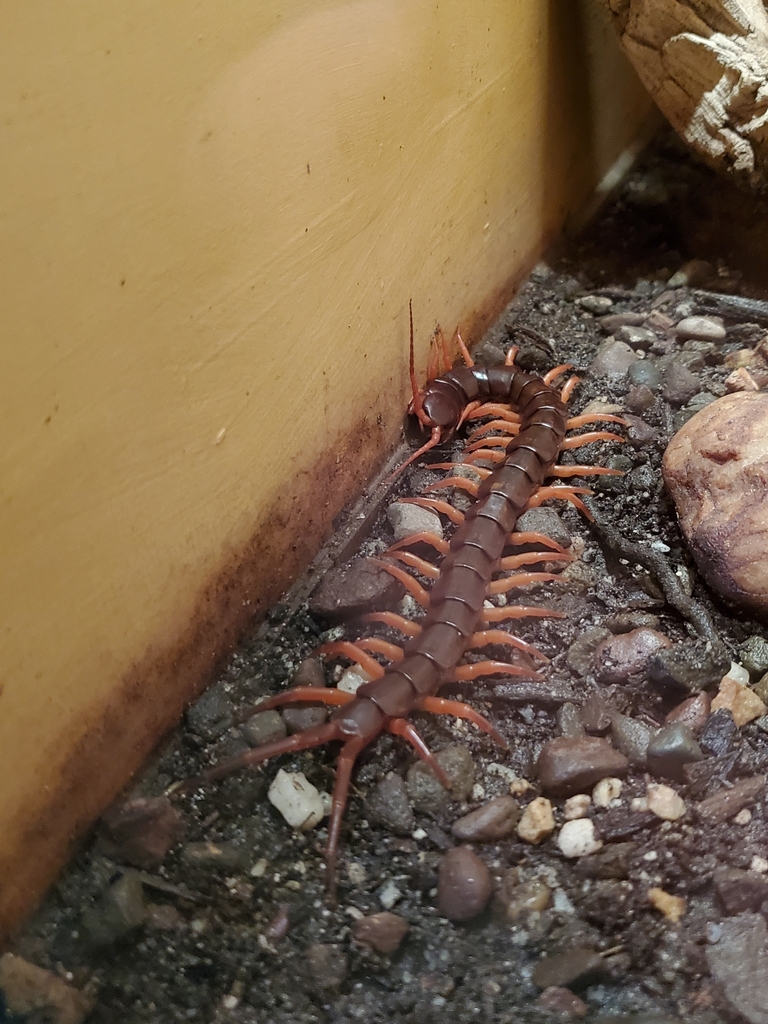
(212, 217)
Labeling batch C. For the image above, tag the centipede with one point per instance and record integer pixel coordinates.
(522, 428)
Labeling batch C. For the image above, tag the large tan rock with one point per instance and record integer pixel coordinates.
(716, 469)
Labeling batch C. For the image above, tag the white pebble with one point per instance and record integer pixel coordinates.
(759, 864)
(639, 803)
(352, 679)
(743, 817)
(577, 806)
(738, 674)
(607, 792)
(664, 802)
(299, 802)
(389, 894)
(578, 839)
(537, 821)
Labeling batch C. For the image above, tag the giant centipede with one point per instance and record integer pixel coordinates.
(525, 431)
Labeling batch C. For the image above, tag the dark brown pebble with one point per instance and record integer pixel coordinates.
(565, 968)
(383, 932)
(463, 885)
(727, 802)
(639, 399)
(613, 321)
(140, 832)
(627, 654)
(494, 820)
(620, 824)
(354, 589)
(579, 655)
(569, 721)
(562, 1002)
(427, 793)
(568, 766)
(693, 712)
(610, 862)
(719, 733)
(328, 964)
(638, 431)
(740, 890)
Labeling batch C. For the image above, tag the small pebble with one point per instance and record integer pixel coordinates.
(263, 727)
(31, 993)
(547, 522)
(427, 793)
(741, 380)
(596, 713)
(759, 864)
(743, 703)
(353, 589)
(693, 712)
(672, 907)
(691, 666)
(577, 806)
(672, 747)
(327, 964)
(463, 885)
(631, 738)
(579, 655)
(494, 820)
(611, 323)
(567, 967)
(664, 802)
(637, 337)
(299, 802)
(537, 821)
(299, 717)
(388, 804)
(578, 839)
(680, 384)
(383, 932)
(141, 832)
(754, 655)
(702, 327)
(568, 766)
(730, 800)
(692, 273)
(598, 304)
(518, 898)
(639, 398)
(562, 1002)
(569, 720)
(739, 890)
(120, 910)
(719, 733)
(743, 817)
(613, 359)
(620, 657)
(607, 792)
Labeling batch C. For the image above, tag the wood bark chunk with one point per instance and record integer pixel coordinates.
(727, 802)
(705, 63)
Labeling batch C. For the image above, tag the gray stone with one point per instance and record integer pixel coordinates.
(740, 890)
(389, 805)
(547, 522)
(704, 327)
(611, 323)
(738, 962)
(212, 714)
(693, 712)
(753, 654)
(691, 666)
(637, 337)
(692, 273)
(579, 656)
(569, 720)
(263, 727)
(639, 398)
(428, 794)
(568, 766)
(670, 748)
(680, 384)
(645, 373)
(120, 910)
(596, 714)
(222, 856)
(631, 738)
(613, 359)
(598, 304)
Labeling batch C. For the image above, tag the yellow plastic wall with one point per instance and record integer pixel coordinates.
(212, 216)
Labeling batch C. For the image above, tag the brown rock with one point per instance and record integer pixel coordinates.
(693, 712)
(727, 802)
(463, 885)
(140, 832)
(716, 469)
(568, 766)
(492, 821)
(565, 968)
(517, 898)
(327, 964)
(627, 654)
(306, 716)
(562, 1001)
(383, 932)
(740, 890)
(30, 991)
(353, 589)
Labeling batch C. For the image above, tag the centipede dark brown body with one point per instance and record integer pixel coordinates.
(455, 604)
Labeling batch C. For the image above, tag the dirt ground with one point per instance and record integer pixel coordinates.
(235, 924)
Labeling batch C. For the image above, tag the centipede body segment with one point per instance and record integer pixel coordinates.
(532, 419)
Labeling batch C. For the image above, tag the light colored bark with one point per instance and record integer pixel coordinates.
(705, 62)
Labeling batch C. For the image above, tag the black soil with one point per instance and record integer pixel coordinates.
(213, 948)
